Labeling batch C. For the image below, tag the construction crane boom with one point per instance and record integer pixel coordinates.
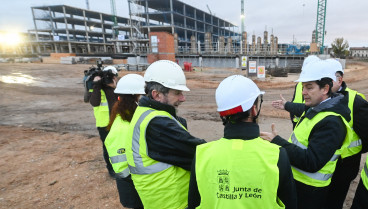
(113, 12)
(242, 15)
(320, 24)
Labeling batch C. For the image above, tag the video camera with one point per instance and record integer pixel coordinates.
(89, 75)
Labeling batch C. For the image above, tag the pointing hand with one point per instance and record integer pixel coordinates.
(279, 104)
(269, 136)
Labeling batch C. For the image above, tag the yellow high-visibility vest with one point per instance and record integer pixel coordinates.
(238, 173)
(115, 146)
(159, 185)
(300, 137)
(102, 112)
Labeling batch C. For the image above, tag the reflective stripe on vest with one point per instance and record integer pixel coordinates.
(300, 137)
(101, 112)
(118, 159)
(139, 167)
(364, 174)
(125, 173)
(295, 141)
(159, 185)
(356, 143)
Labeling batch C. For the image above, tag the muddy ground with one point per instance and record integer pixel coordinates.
(51, 155)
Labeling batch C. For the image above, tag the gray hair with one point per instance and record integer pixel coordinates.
(150, 86)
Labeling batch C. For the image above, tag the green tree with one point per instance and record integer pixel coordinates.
(340, 47)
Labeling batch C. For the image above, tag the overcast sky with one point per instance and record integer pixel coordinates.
(288, 19)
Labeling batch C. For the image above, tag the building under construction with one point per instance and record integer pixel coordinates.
(66, 29)
(198, 36)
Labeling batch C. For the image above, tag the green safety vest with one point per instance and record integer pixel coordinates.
(101, 112)
(238, 173)
(115, 146)
(300, 137)
(364, 174)
(356, 143)
(360, 94)
(159, 185)
(298, 98)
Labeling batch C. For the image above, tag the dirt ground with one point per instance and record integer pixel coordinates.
(50, 150)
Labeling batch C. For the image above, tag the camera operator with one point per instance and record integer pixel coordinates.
(102, 99)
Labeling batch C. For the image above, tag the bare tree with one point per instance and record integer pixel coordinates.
(340, 47)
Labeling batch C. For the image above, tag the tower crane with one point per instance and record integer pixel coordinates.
(320, 24)
(114, 18)
(242, 15)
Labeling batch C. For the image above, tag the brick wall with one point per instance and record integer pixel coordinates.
(166, 47)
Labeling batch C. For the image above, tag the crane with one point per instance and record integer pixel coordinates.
(242, 15)
(320, 24)
(114, 19)
(87, 4)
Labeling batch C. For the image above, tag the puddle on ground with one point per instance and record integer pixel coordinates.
(27, 80)
(18, 78)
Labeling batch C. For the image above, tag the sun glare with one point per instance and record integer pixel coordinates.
(10, 38)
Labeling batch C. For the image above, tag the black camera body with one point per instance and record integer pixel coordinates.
(89, 76)
(107, 77)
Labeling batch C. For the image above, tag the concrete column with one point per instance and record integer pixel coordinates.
(103, 33)
(86, 30)
(172, 16)
(67, 31)
(52, 29)
(185, 25)
(193, 45)
(221, 43)
(259, 44)
(73, 27)
(36, 30)
(195, 24)
(147, 18)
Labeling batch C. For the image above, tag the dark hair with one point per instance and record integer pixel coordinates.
(237, 117)
(150, 86)
(323, 82)
(125, 107)
(340, 73)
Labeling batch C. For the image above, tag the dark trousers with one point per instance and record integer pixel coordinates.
(310, 197)
(103, 134)
(346, 171)
(361, 197)
(128, 195)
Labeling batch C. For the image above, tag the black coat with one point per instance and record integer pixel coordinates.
(325, 138)
(167, 141)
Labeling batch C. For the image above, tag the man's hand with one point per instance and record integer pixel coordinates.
(269, 136)
(279, 104)
(97, 78)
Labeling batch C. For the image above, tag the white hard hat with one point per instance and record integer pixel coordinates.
(167, 73)
(317, 70)
(309, 59)
(112, 68)
(336, 65)
(235, 94)
(130, 84)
